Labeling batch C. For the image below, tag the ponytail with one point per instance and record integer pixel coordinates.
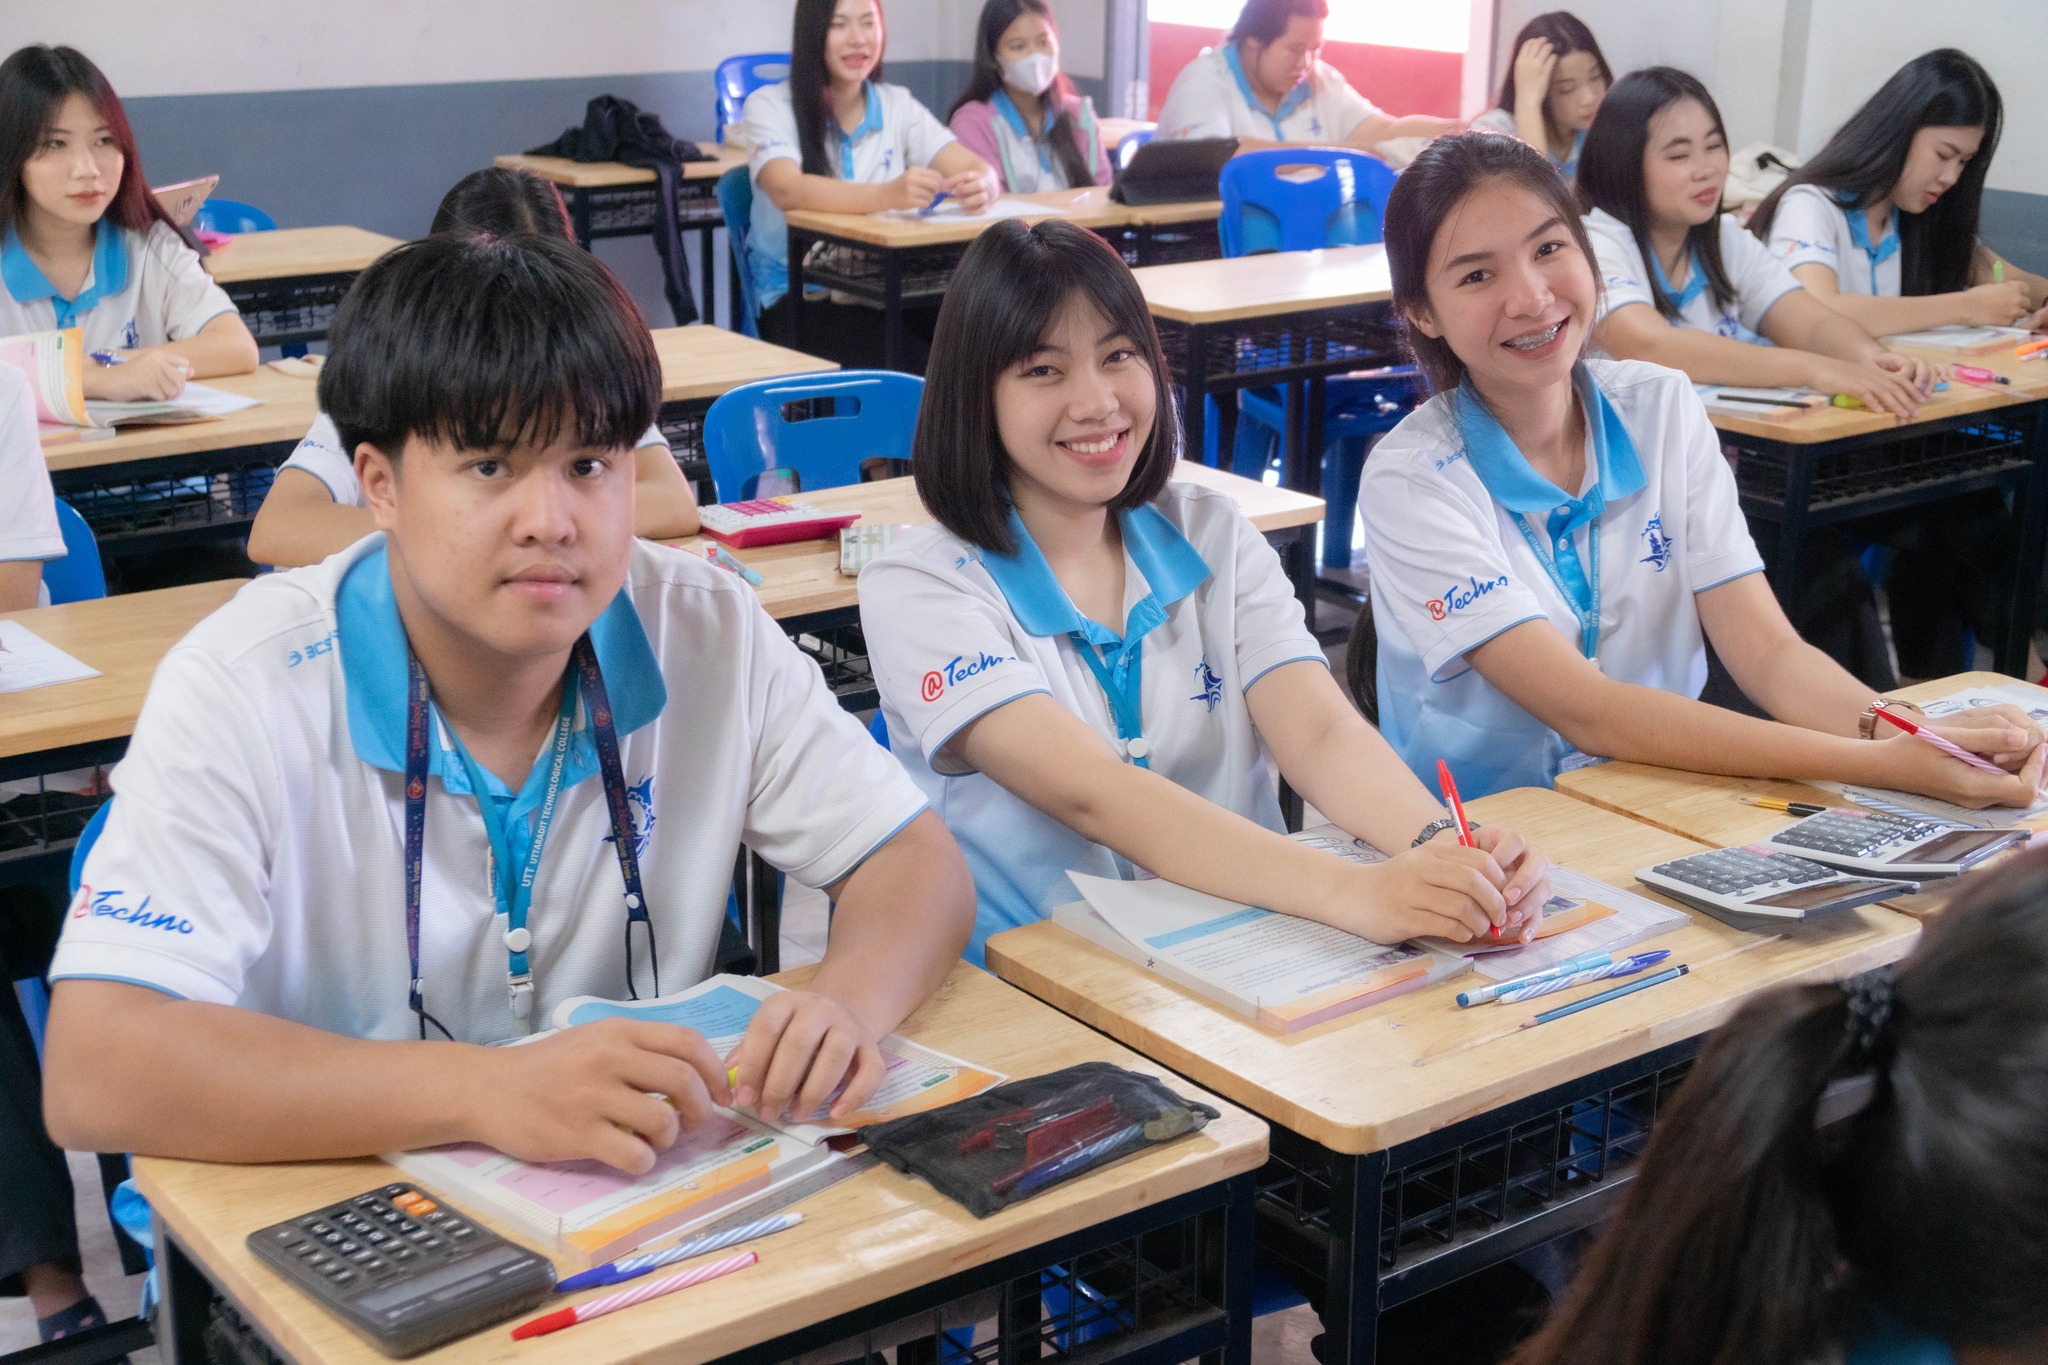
(1755, 1236)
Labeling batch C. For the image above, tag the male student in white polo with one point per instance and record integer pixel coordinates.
(301, 920)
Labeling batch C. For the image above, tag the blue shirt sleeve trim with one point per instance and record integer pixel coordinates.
(1318, 657)
(1466, 653)
(1729, 579)
(878, 845)
(992, 706)
(122, 980)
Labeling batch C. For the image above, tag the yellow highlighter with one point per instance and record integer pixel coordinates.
(1848, 400)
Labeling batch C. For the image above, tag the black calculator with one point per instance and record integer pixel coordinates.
(1757, 882)
(404, 1269)
(1894, 845)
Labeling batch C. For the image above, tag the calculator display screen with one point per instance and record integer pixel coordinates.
(436, 1283)
(1956, 846)
(1827, 893)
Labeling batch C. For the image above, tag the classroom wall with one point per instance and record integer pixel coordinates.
(365, 112)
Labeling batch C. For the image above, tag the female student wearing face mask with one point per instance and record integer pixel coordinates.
(1019, 113)
(1553, 90)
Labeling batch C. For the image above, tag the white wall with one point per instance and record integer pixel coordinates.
(221, 46)
(1789, 71)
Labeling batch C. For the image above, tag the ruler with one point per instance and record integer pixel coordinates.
(817, 1182)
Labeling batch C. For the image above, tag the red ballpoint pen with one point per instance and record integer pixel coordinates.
(1951, 749)
(1450, 790)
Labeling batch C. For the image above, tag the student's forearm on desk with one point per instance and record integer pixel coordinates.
(1887, 314)
(20, 583)
(1790, 679)
(300, 522)
(1636, 332)
(222, 346)
(1337, 762)
(1378, 128)
(898, 925)
(664, 508)
(792, 190)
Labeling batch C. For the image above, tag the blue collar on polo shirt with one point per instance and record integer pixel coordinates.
(1294, 99)
(1515, 485)
(1171, 566)
(870, 122)
(373, 646)
(1569, 167)
(26, 282)
(1859, 232)
(1695, 281)
(1007, 109)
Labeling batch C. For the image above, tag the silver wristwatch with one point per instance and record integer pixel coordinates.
(1431, 830)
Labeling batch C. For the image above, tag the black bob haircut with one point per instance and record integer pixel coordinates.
(484, 342)
(1867, 155)
(502, 200)
(1425, 194)
(1263, 21)
(1611, 171)
(1009, 288)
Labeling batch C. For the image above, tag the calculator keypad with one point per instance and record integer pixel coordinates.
(1857, 835)
(1740, 872)
(374, 1237)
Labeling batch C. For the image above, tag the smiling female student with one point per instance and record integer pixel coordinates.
(1685, 285)
(1019, 113)
(1553, 90)
(835, 138)
(1881, 223)
(1084, 666)
(1853, 1173)
(83, 243)
(1266, 87)
(316, 507)
(1554, 540)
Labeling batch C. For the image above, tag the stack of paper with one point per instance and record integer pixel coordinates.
(196, 403)
(1960, 339)
(1759, 404)
(950, 212)
(28, 660)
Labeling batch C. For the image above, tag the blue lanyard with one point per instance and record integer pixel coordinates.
(1121, 685)
(1588, 612)
(514, 899)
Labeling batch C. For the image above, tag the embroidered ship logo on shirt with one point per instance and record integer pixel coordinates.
(1211, 685)
(1657, 543)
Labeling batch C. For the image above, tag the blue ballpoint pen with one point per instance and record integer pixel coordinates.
(618, 1272)
(107, 357)
(1669, 974)
(1584, 962)
(929, 209)
(1626, 967)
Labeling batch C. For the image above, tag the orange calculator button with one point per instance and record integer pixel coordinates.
(422, 1207)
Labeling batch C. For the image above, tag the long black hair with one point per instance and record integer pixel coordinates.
(1567, 33)
(810, 84)
(1008, 290)
(1425, 194)
(1611, 172)
(502, 200)
(1754, 1234)
(34, 82)
(1263, 21)
(1060, 102)
(1864, 159)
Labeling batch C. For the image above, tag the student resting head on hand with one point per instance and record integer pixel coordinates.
(385, 810)
(1853, 1172)
(1019, 112)
(315, 506)
(1555, 540)
(1553, 89)
(1686, 286)
(1084, 665)
(83, 243)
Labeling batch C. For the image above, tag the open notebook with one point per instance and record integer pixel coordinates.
(589, 1213)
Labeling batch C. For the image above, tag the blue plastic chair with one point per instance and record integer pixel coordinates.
(1128, 147)
(79, 575)
(228, 215)
(738, 77)
(783, 424)
(736, 206)
(1266, 210)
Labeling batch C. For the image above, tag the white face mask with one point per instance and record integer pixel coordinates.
(1034, 74)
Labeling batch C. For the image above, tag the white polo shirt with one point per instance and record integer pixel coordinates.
(1211, 97)
(1758, 278)
(144, 289)
(895, 134)
(28, 509)
(1812, 227)
(319, 453)
(255, 852)
(955, 632)
(1499, 120)
(1452, 567)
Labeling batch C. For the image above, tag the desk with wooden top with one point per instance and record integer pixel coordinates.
(84, 724)
(611, 199)
(873, 1249)
(1835, 464)
(287, 282)
(1415, 1143)
(155, 487)
(1292, 318)
(1710, 808)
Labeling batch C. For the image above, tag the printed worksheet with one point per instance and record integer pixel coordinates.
(28, 660)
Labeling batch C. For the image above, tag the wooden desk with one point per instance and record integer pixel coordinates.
(1711, 809)
(288, 282)
(872, 1249)
(1837, 464)
(1291, 318)
(698, 364)
(1379, 1115)
(610, 199)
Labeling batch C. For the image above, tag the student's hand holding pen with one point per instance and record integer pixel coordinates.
(973, 190)
(1444, 890)
(802, 1050)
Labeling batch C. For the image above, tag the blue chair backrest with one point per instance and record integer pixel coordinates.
(736, 205)
(1128, 148)
(1264, 210)
(878, 729)
(821, 427)
(739, 77)
(78, 576)
(87, 837)
(226, 215)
